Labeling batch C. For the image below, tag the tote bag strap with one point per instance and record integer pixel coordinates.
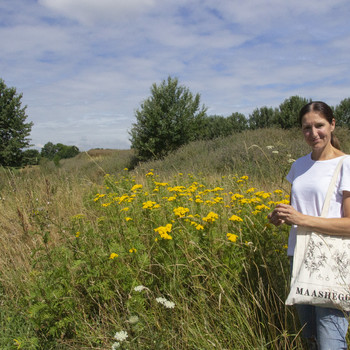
(330, 191)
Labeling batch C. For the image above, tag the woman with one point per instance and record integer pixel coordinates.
(310, 176)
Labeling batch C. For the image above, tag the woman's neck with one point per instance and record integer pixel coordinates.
(326, 153)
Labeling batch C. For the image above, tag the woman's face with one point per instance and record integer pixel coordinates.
(317, 130)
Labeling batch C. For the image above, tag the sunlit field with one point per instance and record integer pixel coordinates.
(99, 254)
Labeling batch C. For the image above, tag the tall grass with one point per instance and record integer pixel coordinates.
(77, 239)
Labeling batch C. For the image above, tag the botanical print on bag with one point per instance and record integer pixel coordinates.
(314, 257)
(341, 264)
(320, 254)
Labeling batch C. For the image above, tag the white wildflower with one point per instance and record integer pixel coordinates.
(269, 147)
(139, 288)
(161, 300)
(275, 152)
(115, 346)
(291, 160)
(168, 304)
(121, 336)
(133, 319)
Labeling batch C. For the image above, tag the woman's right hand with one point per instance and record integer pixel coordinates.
(274, 218)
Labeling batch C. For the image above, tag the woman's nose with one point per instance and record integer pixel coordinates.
(313, 132)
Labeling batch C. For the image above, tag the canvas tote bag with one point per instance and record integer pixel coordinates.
(321, 264)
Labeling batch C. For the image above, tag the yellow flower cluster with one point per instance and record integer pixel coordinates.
(211, 217)
(181, 211)
(235, 218)
(150, 205)
(232, 237)
(98, 196)
(194, 205)
(136, 187)
(164, 231)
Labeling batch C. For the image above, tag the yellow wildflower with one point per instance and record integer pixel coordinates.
(77, 234)
(217, 189)
(235, 218)
(181, 211)
(122, 198)
(218, 199)
(232, 237)
(262, 206)
(284, 201)
(148, 205)
(161, 184)
(98, 196)
(176, 189)
(199, 227)
(237, 196)
(113, 255)
(211, 217)
(252, 189)
(132, 250)
(164, 231)
(128, 219)
(136, 187)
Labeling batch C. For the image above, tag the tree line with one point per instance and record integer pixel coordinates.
(169, 118)
(172, 116)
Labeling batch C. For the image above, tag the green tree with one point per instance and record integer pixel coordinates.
(237, 122)
(59, 151)
(31, 157)
(14, 130)
(169, 118)
(213, 126)
(218, 126)
(288, 114)
(64, 151)
(342, 113)
(49, 150)
(263, 117)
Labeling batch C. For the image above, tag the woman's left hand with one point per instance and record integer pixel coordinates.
(284, 213)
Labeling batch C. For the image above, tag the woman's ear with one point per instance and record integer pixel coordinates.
(333, 124)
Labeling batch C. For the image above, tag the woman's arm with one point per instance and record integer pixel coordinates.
(284, 213)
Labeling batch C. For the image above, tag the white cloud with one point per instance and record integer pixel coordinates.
(91, 11)
(84, 66)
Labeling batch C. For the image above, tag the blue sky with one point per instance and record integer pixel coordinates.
(85, 66)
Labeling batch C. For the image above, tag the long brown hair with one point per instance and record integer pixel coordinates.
(326, 112)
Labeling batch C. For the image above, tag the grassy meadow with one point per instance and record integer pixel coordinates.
(102, 253)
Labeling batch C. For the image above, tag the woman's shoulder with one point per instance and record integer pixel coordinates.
(302, 160)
